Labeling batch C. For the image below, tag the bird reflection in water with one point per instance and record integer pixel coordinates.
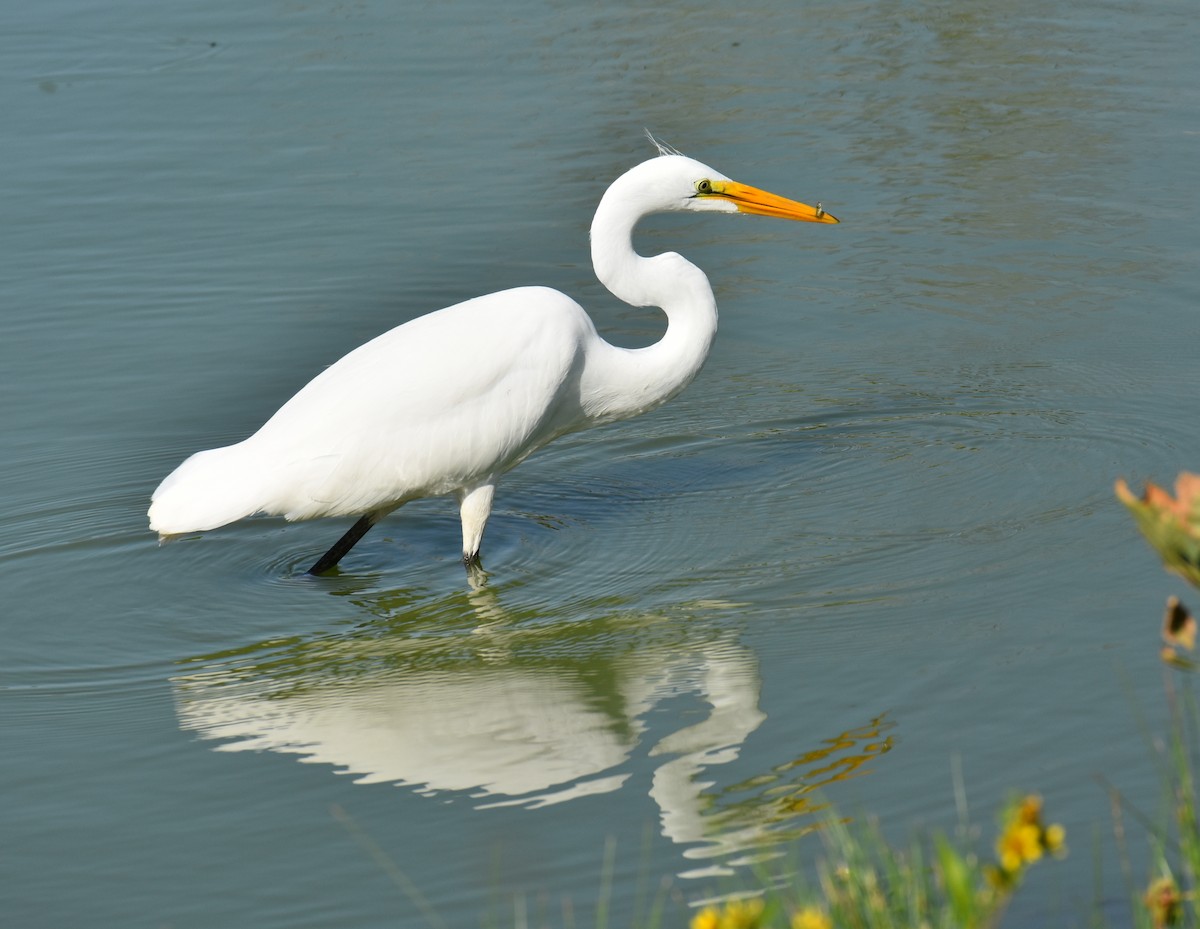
(460, 695)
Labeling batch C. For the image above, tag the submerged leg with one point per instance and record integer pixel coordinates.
(474, 507)
(344, 544)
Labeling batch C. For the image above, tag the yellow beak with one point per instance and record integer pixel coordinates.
(761, 203)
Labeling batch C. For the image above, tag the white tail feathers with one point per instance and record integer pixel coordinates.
(210, 489)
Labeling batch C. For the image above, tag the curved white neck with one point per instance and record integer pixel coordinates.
(618, 382)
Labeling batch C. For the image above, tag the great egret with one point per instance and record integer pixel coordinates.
(450, 401)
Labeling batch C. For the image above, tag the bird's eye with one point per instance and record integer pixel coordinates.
(704, 186)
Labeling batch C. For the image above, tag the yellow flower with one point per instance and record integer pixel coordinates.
(736, 914)
(1054, 838)
(1030, 810)
(1164, 903)
(1025, 837)
(811, 917)
(1018, 845)
(741, 914)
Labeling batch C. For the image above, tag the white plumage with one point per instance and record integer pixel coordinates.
(448, 402)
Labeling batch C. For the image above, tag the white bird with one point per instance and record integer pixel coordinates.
(450, 401)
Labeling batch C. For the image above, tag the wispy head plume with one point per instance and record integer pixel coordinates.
(663, 147)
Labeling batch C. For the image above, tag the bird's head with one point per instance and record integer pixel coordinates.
(673, 182)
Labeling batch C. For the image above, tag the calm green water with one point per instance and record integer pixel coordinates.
(874, 539)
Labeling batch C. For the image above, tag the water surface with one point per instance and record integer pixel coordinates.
(874, 540)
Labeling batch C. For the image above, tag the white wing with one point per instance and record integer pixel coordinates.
(444, 402)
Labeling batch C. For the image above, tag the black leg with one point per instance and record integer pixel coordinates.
(344, 544)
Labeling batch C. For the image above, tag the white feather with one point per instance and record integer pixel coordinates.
(448, 402)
